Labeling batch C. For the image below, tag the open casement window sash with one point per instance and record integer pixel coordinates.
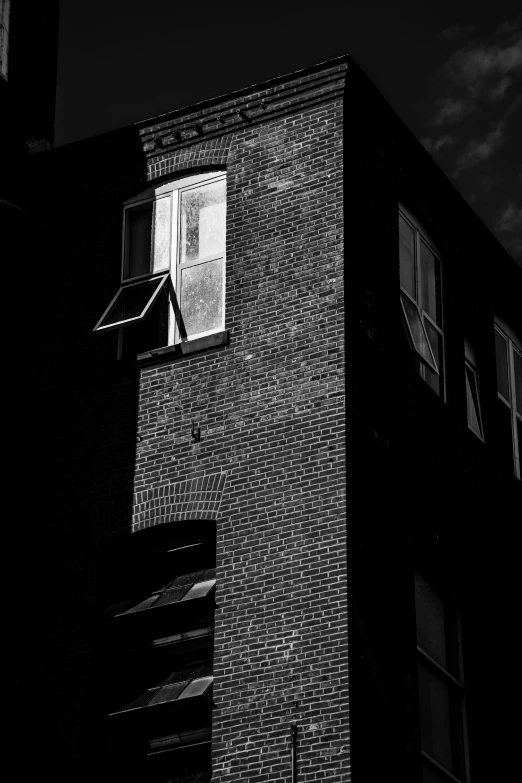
(421, 299)
(174, 240)
(132, 303)
(509, 385)
(474, 412)
(473, 401)
(417, 333)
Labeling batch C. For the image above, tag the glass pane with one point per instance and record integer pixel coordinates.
(431, 622)
(197, 687)
(440, 719)
(138, 240)
(504, 434)
(430, 282)
(199, 590)
(435, 340)
(501, 350)
(203, 213)
(416, 329)
(202, 297)
(162, 234)
(473, 401)
(430, 776)
(407, 256)
(518, 380)
(132, 301)
(167, 693)
(519, 454)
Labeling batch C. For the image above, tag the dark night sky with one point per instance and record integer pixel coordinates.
(451, 70)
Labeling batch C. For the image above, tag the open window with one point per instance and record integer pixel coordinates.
(474, 410)
(508, 353)
(157, 631)
(421, 299)
(441, 683)
(173, 262)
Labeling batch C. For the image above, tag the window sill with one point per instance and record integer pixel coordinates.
(186, 348)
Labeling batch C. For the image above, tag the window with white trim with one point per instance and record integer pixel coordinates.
(441, 684)
(474, 409)
(508, 353)
(173, 260)
(421, 299)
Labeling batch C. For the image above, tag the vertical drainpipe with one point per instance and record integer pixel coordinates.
(293, 729)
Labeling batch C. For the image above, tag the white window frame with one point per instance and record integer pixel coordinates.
(421, 234)
(470, 365)
(169, 274)
(456, 682)
(513, 346)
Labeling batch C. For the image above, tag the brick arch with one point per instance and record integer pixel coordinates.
(191, 499)
(213, 152)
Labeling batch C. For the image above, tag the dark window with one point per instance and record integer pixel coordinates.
(441, 687)
(158, 632)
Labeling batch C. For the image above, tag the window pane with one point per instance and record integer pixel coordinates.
(416, 330)
(197, 687)
(440, 715)
(474, 420)
(504, 433)
(162, 234)
(202, 297)
(132, 301)
(431, 622)
(407, 256)
(518, 380)
(138, 240)
(501, 349)
(430, 282)
(430, 776)
(203, 221)
(435, 340)
(519, 433)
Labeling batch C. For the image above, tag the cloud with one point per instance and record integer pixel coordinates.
(509, 227)
(449, 33)
(481, 67)
(479, 150)
(510, 219)
(497, 92)
(434, 145)
(450, 110)
(480, 73)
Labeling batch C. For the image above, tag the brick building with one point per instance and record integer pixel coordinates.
(274, 412)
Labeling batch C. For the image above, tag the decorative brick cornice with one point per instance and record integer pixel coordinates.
(242, 109)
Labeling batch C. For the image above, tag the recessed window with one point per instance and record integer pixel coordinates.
(157, 640)
(472, 392)
(441, 686)
(421, 300)
(173, 264)
(508, 353)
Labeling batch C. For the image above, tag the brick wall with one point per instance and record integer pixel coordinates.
(270, 407)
